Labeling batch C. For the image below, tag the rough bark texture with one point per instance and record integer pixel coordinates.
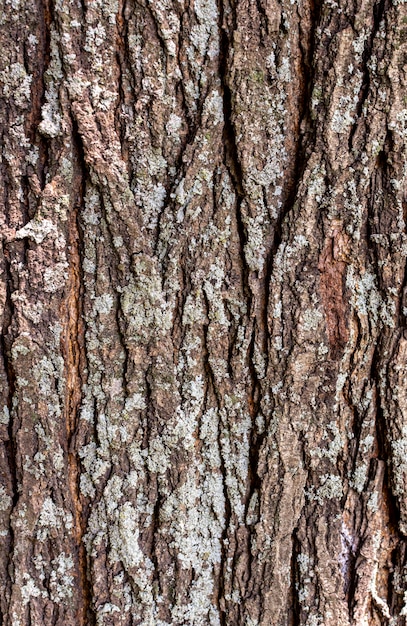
(203, 414)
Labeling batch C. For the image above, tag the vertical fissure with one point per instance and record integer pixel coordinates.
(5, 345)
(379, 12)
(75, 371)
(6, 342)
(378, 224)
(10, 445)
(381, 433)
(294, 617)
(233, 166)
(305, 140)
(39, 88)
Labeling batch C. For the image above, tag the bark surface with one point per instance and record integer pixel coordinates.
(203, 393)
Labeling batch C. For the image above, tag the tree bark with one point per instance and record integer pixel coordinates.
(203, 412)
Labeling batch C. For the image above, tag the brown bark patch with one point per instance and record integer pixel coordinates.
(332, 267)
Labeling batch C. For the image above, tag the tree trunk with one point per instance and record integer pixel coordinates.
(203, 411)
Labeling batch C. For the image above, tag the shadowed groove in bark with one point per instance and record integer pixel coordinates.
(233, 166)
(6, 339)
(351, 577)
(388, 340)
(389, 503)
(305, 140)
(231, 157)
(6, 342)
(398, 563)
(122, 53)
(383, 437)
(232, 163)
(381, 182)
(379, 12)
(45, 10)
(294, 618)
(75, 365)
(10, 445)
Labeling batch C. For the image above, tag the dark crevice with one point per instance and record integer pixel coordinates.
(294, 616)
(10, 446)
(154, 550)
(76, 365)
(264, 20)
(233, 166)
(123, 58)
(351, 579)
(395, 598)
(384, 222)
(357, 419)
(256, 438)
(305, 140)
(121, 335)
(6, 341)
(26, 205)
(403, 304)
(379, 11)
(152, 480)
(375, 224)
(38, 89)
(383, 436)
